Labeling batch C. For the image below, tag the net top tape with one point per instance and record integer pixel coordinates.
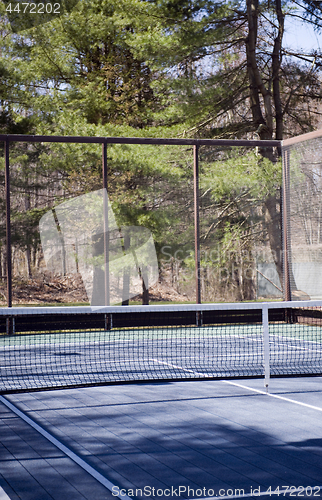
(240, 306)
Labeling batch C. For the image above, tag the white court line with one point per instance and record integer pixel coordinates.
(178, 367)
(272, 395)
(3, 495)
(265, 393)
(78, 460)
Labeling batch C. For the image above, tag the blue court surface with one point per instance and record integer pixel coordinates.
(188, 440)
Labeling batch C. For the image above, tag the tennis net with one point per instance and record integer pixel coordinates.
(47, 348)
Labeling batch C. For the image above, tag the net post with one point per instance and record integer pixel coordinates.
(10, 325)
(198, 318)
(265, 327)
(108, 322)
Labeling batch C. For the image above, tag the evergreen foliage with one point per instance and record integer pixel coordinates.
(158, 68)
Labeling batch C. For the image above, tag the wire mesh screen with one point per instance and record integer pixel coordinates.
(79, 235)
(62, 223)
(303, 215)
(240, 223)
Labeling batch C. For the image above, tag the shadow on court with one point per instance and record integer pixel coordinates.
(184, 439)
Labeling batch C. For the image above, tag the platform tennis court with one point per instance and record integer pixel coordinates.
(161, 402)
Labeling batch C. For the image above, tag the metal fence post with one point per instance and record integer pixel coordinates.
(8, 225)
(285, 225)
(196, 219)
(106, 227)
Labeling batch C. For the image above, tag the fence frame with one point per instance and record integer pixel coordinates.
(195, 143)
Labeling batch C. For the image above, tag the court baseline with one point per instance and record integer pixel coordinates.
(3, 495)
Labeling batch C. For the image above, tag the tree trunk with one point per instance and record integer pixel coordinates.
(264, 125)
(256, 83)
(273, 225)
(276, 65)
(28, 257)
(145, 286)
